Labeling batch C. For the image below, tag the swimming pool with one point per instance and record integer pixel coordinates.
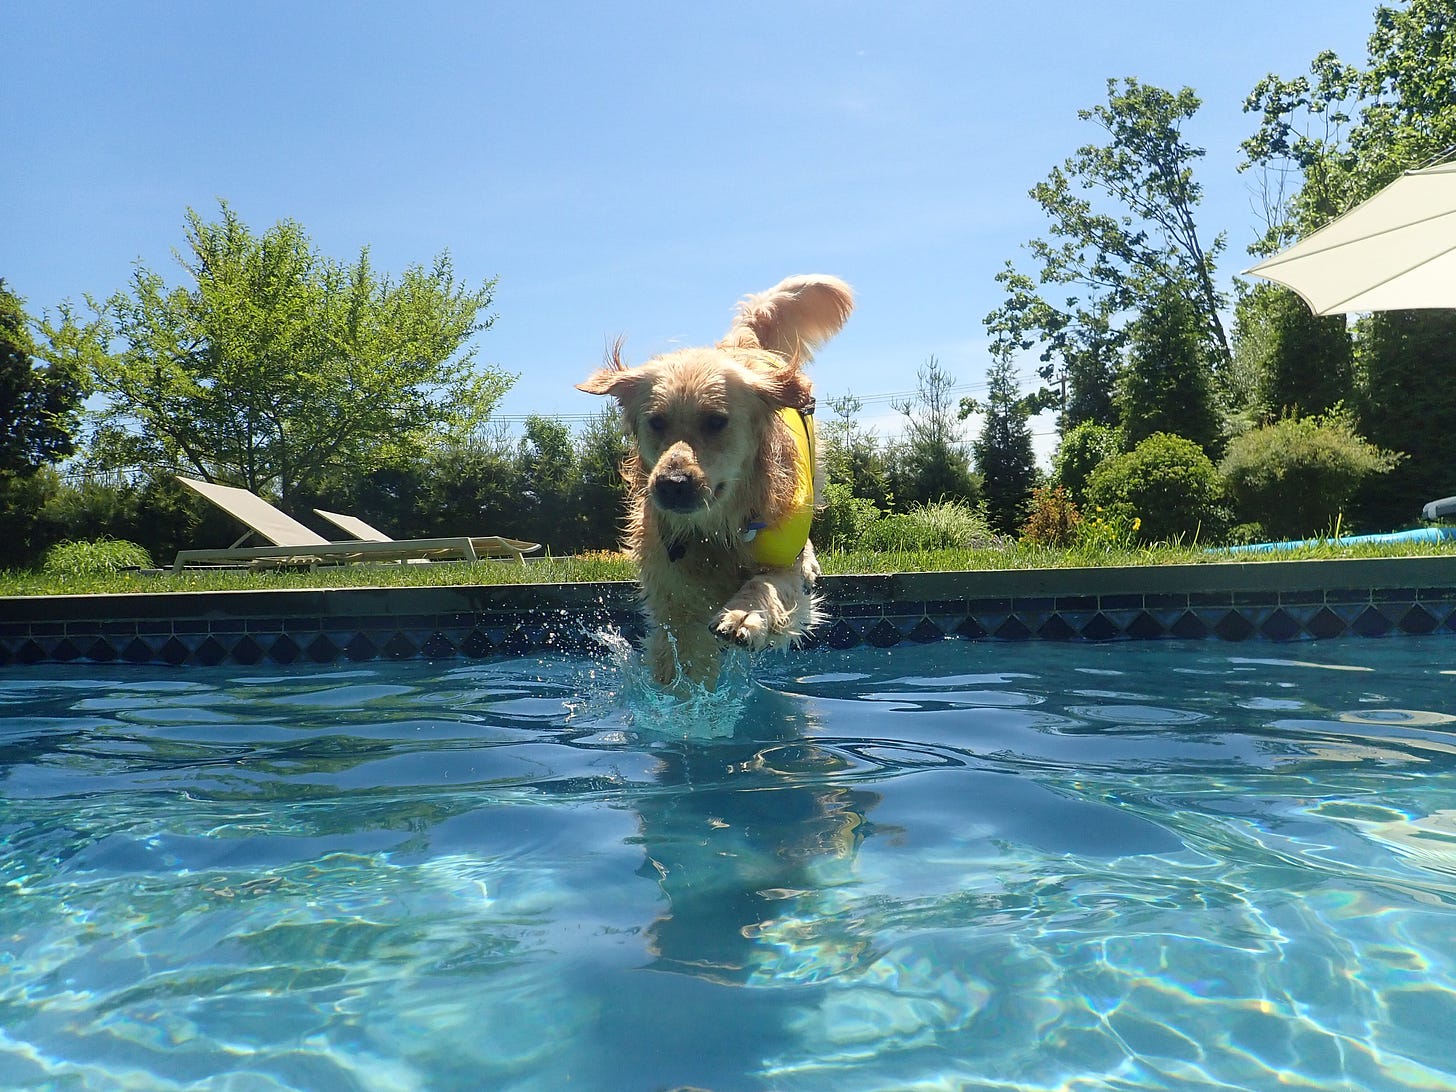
(954, 865)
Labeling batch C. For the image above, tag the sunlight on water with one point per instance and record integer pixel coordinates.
(958, 866)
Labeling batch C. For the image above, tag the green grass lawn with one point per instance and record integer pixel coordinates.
(607, 567)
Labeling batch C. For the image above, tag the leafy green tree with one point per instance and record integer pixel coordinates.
(152, 512)
(1300, 149)
(1406, 367)
(1293, 360)
(930, 462)
(845, 519)
(545, 473)
(278, 364)
(1333, 138)
(1081, 451)
(1005, 458)
(40, 406)
(476, 486)
(40, 403)
(851, 456)
(598, 489)
(1168, 383)
(1081, 344)
(1122, 226)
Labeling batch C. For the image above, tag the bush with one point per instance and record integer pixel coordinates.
(1052, 517)
(947, 525)
(159, 515)
(1167, 484)
(844, 520)
(22, 501)
(1295, 476)
(104, 557)
(1080, 453)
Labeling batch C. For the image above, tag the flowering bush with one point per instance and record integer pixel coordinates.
(1052, 517)
(1107, 531)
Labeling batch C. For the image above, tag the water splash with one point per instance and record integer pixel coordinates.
(618, 689)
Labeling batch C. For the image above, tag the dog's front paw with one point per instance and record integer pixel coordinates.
(748, 629)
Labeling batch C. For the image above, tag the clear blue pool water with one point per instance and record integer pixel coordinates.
(975, 866)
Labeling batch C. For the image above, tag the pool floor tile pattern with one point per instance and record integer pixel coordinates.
(474, 623)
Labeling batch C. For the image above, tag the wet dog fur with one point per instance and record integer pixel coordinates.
(711, 455)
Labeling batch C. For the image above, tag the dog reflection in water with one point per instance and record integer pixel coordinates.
(747, 837)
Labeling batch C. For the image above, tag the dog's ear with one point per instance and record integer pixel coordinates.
(793, 318)
(782, 387)
(614, 377)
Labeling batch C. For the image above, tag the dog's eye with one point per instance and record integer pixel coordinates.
(657, 422)
(714, 422)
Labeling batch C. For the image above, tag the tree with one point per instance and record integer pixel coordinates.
(1294, 360)
(546, 474)
(1100, 269)
(1167, 384)
(40, 403)
(1338, 135)
(1004, 454)
(931, 463)
(1082, 450)
(850, 455)
(1328, 140)
(278, 364)
(1406, 363)
(598, 490)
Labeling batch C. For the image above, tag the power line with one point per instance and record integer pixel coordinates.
(864, 399)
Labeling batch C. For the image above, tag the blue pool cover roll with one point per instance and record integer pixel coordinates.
(1417, 534)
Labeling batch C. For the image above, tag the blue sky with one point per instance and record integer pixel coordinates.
(622, 168)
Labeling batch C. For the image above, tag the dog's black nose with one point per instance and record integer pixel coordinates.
(675, 492)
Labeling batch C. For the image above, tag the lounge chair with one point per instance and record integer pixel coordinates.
(1439, 509)
(294, 544)
(490, 545)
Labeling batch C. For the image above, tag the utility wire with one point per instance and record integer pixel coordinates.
(880, 399)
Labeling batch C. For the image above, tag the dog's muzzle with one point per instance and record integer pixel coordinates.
(676, 491)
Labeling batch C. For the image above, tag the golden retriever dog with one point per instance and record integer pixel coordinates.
(722, 483)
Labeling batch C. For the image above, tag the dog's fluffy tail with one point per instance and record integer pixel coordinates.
(793, 318)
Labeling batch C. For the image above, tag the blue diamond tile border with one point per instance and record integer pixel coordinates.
(1275, 602)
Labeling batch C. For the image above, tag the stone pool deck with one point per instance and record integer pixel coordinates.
(1232, 601)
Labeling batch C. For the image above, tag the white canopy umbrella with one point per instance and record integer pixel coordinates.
(1394, 252)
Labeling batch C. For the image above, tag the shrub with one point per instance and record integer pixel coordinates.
(1080, 452)
(1296, 475)
(946, 525)
(1167, 484)
(844, 519)
(1052, 517)
(103, 557)
(157, 515)
(22, 501)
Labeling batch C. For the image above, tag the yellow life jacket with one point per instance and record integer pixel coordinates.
(780, 544)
